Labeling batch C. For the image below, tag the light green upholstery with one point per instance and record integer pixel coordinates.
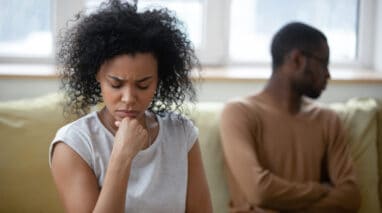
(28, 126)
(360, 120)
(206, 117)
(26, 129)
(379, 147)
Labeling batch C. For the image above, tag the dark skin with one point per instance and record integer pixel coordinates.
(128, 84)
(300, 75)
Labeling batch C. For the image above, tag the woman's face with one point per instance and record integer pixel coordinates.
(128, 84)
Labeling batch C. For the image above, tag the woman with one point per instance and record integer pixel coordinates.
(135, 154)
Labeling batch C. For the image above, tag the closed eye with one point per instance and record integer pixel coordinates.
(116, 86)
(143, 86)
(144, 83)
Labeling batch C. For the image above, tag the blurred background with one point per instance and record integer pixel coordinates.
(231, 38)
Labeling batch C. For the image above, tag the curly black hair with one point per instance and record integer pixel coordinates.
(117, 28)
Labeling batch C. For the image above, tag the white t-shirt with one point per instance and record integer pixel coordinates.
(158, 175)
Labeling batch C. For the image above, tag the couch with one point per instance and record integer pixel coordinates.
(27, 126)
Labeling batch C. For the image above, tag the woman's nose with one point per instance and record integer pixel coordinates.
(129, 95)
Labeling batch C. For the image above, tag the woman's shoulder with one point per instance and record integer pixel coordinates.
(174, 122)
(83, 124)
(178, 127)
(78, 135)
(173, 118)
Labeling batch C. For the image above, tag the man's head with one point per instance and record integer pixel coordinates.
(303, 53)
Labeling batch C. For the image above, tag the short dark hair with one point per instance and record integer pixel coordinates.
(295, 35)
(117, 28)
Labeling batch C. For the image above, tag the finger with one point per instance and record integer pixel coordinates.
(125, 120)
(117, 123)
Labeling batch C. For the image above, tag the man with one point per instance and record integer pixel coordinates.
(283, 152)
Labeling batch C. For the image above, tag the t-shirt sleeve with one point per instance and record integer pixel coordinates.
(192, 133)
(75, 139)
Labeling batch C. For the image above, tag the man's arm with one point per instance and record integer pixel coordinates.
(344, 195)
(260, 186)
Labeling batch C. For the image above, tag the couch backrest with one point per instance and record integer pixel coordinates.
(26, 129)
(206, 117)
(28, 126)
(362, 119)
(379, 147)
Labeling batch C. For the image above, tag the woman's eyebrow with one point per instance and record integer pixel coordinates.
(121, 79)
(115, 78)
(143, 79)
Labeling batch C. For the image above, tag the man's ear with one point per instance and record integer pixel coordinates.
(297, 59)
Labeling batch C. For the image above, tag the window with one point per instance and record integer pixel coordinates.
(190, 12)
(224, 32)
(254, 22)
(25, 29)
(227, 32)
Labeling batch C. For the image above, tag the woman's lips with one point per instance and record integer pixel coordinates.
(127, 113)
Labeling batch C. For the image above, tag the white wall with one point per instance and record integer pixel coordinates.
(221, 91)
(378, 38)
(12, 89)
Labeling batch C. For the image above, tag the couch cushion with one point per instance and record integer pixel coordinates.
(26, 129)
(379, 146)
(359, 117)
(206, 116)
(27, 186)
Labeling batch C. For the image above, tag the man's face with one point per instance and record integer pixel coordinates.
(315, 74)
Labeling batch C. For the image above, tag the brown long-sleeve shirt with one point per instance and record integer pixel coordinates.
(279, 162)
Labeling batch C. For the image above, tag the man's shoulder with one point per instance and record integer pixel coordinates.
(317, 106)
(249, 101)
(243, 103)
(248, 107)
(319, 109)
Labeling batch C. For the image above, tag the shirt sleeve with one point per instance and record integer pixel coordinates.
(344, 195)
(192, 133)
(239, 129)
(76, 140)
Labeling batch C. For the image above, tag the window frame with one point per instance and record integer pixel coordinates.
(215, 52)
(11, 59)
(366, 33)
(366, 39)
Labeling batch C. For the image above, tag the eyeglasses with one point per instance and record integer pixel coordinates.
(323, 61)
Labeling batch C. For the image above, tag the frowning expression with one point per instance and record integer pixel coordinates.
(128, 84)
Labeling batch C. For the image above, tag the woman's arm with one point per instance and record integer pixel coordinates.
(77, 184)
(75, 181)
(198, 195)
(78, 187)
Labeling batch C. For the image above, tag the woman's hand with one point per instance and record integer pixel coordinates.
(130, 138)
